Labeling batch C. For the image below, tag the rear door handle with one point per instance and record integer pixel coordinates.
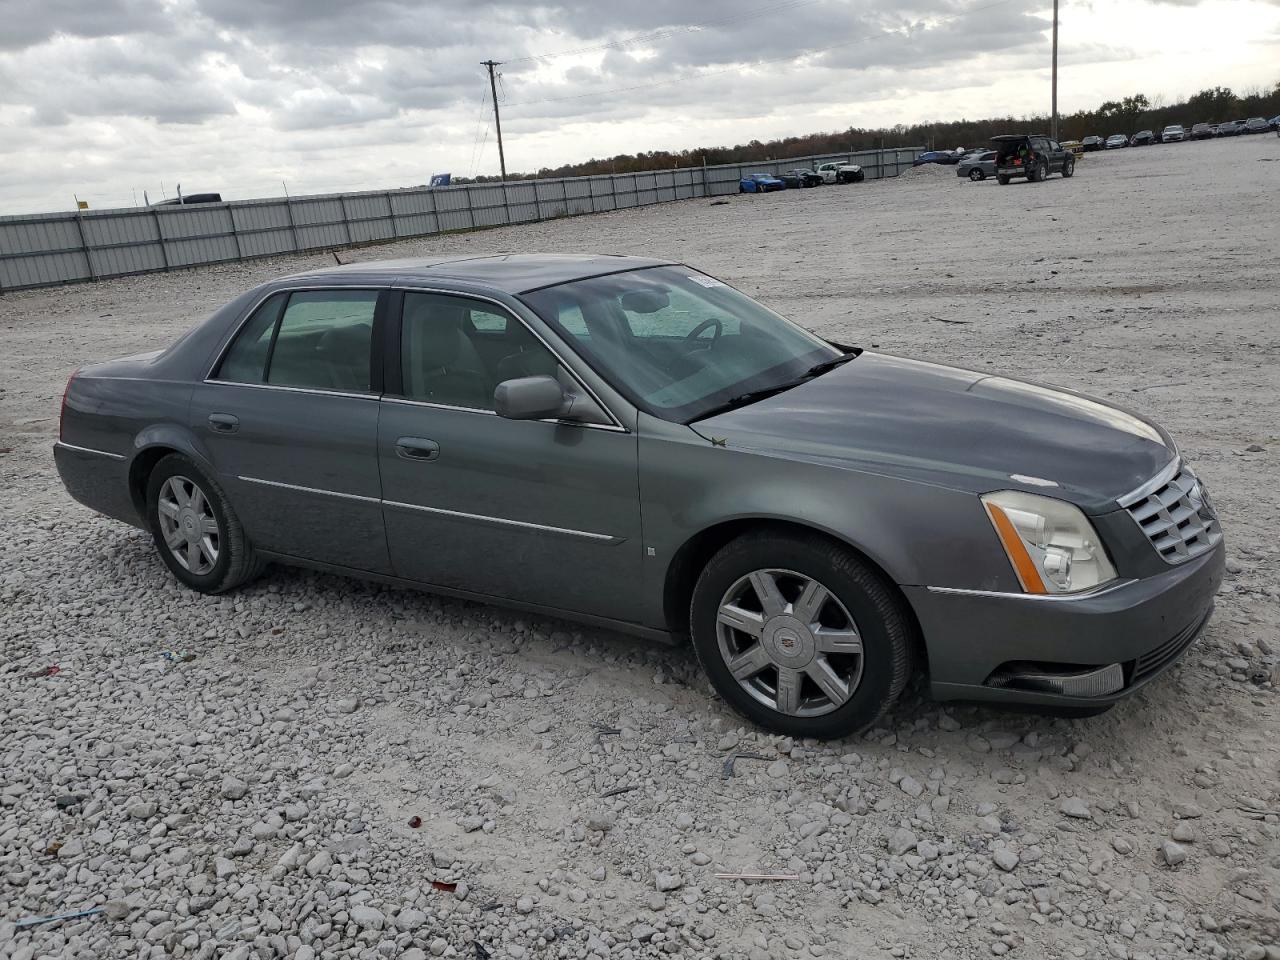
(416, 448)
(223, 423)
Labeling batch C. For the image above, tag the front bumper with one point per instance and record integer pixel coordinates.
(977, 641)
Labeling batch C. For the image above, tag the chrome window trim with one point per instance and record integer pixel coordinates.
(1151, 486)
(445, 291)
(222, 351)
(280, 386)
(1038, 597)
(612, 428)
(89, 450)
(502, 521)
(301, 489)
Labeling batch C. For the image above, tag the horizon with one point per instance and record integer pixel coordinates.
(111, 100)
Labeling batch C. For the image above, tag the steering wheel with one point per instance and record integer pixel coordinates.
(693, 334)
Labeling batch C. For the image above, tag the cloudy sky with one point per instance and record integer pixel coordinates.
(107, 98)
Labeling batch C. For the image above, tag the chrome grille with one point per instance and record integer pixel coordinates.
(1177, 517)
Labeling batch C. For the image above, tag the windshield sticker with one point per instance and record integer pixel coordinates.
(707, 281)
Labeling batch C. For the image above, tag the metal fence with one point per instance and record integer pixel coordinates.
(40, 250)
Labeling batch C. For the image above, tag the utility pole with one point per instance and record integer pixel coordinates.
(1052, 128)
(497, 120)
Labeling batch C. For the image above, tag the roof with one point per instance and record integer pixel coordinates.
(1018, 136)
(510, 273)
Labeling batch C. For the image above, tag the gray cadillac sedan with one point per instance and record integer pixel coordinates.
(633, 443)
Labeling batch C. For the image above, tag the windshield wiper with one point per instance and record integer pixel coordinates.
(751, 396)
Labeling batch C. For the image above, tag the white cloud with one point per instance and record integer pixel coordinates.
(102, 97)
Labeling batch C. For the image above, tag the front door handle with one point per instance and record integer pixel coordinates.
(223, 423)
(416, 448)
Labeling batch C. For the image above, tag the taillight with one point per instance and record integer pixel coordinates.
(62, 412)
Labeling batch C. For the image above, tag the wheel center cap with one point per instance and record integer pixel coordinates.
(187, 520)
(789, 642)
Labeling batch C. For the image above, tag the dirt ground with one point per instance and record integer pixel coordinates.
(250, 795)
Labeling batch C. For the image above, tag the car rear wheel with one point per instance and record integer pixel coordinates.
(195, 530)
(1002, 179)
(975, 175)
(800, 635)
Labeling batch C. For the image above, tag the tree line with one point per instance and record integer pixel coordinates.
(1127, 115)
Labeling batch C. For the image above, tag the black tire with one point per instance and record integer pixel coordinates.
(882, 620)
(1002, 179)
(236, 563)
(1068, 167)
(977, 175)
(1039, 173)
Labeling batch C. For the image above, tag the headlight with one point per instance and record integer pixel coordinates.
(1051, 544)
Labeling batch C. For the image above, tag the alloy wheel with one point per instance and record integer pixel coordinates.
(789, 643)
(188, 524)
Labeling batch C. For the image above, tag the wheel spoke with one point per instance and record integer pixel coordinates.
(208, 550)
(193, 555)
(828, 640)
(197, 499)
(748, 621)
(821, 672)
(812, 599)
(749, 663)
(180, 493)
(208, 525)
(767, 592)
(788, 697)
(174, 538)
(168, 507)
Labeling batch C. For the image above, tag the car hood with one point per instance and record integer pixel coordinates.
(953, 427)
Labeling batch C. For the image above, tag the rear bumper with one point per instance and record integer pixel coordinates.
(98, 479)
(1012, 171)
(977, 641)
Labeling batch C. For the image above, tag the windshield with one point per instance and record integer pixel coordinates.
(675, 342)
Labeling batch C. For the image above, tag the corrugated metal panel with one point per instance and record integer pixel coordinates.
(42, 249)
(318, 211)
(262, 243)
(325, 235)
(136, 258)
(43, 269)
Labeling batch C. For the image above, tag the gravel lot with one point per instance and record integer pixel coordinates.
(250, 793)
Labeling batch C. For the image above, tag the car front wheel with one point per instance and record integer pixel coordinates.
(195, 529)
(975, 175)
(800, 635)
(1068, 167)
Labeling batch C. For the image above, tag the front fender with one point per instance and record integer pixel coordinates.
(917, 533)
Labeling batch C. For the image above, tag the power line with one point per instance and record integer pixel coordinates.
(772, 9)
(738, 67)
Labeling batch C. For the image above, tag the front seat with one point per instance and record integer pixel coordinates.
(441, 364)
(530, 358)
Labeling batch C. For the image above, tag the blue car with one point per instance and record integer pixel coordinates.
(760, 183)
(936, 156)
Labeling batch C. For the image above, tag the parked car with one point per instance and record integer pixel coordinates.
(1256, 125)
(189, 199)
(1116, 141)
(1143, 138)
(632, 443)
(1202, 131)
(1232, 128)
(1174, 133)
(977, 166)
(1093, 143)
(936, 156)
(840, 171)
(801, 178)
(1033, 157)
(1274, 122)
(760, 183)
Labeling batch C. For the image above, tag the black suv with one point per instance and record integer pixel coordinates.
(1033, 157)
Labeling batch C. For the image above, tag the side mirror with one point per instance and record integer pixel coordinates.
(529, 398)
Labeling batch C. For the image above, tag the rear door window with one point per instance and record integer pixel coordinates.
(324, 340)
